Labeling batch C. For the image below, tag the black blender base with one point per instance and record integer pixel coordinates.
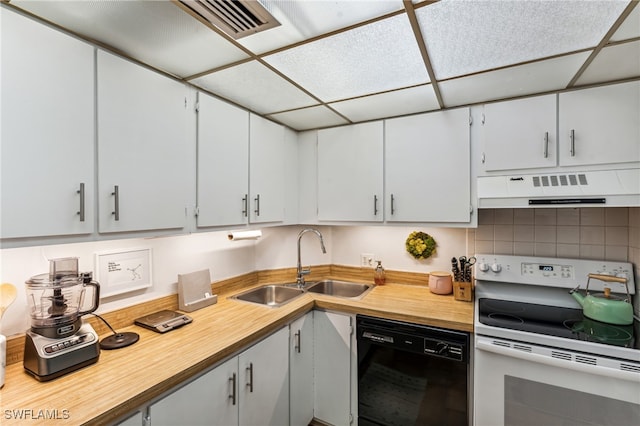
(119, 340)
(62, 372)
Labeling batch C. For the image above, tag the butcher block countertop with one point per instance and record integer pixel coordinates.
(125, 379)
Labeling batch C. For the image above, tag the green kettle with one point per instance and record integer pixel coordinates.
(605, 307)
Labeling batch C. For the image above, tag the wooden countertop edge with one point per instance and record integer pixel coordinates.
(388, 302)
(118, 412)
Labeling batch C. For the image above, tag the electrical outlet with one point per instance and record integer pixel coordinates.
(366, 260)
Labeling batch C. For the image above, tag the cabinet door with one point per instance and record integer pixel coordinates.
(332, 367)
(266, 170)
(144, 158)
(47, 131)
(520, 134)
(264, 387)
(301, 370)
(600, 125)
(135, 419)
(427, 167)
(208, 400)
(223, 163)
(350, 174)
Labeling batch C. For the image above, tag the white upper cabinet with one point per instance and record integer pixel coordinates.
(47, 136)
(266, 170)
(520, 134)
(600, 125)
(350, 173)
(223, 163)
(427, 168)
(145, 159)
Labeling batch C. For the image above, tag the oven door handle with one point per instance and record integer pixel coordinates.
(486, 345)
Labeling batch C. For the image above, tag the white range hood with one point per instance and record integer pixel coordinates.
(604, 188)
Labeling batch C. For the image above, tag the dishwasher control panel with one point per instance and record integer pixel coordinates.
(444, 349)
(416, 338)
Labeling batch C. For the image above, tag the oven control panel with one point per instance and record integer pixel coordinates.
(553, 272)
(550, 270)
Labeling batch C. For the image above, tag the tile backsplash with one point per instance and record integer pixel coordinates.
(588, 233)
(609, 233)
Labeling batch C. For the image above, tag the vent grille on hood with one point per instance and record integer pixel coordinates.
(620, 188)
(560, 180)
(237, 18)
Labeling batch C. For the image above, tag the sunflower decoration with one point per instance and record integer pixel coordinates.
(420, 245)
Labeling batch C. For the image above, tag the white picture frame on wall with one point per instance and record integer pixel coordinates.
(123, 271)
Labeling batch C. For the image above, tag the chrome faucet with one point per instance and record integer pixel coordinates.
(302, 272)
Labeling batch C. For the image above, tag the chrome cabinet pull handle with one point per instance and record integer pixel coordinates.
(257, 200)
(545, 146)
(375, 205)
(392, 206)
(245, 205)
(81, 192)
(572, 144)
(116, 202)
(250, 384)
(298, 342)
(233, 389)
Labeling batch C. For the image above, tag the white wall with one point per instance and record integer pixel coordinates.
(187, 253)
(170, 256)
(387, 244)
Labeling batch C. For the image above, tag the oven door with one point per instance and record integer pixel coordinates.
(522, 384)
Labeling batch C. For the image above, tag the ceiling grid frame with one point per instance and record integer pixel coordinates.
(55, 15)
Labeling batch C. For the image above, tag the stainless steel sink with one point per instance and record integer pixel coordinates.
(341, 289)
(269, 295)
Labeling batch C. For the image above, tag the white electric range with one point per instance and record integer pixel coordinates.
(537, 358)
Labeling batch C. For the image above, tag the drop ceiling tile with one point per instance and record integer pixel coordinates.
(543, 76)
(154, 32)
(374, 58)
(389, 104)
(256, 87)
(465, 37)
(302, 20)
(630, 28)
(309, 118)
(626, 58)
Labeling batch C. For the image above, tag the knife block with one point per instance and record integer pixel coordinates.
(194, 291)
(463, 290)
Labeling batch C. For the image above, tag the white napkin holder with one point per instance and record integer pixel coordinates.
(194, 291)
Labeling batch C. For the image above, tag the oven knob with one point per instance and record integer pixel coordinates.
(483, 267)
(496, 267)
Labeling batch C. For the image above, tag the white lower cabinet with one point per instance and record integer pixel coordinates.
(135, 419)
(301, 370)
(264, 381)
(335, 369)
(249, 389)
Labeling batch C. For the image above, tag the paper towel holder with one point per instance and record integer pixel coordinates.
(194, 291)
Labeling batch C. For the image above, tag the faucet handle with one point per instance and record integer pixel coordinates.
(305, 271)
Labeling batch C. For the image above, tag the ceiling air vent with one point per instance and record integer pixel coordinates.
(236, 18)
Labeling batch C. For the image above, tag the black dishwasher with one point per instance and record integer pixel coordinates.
(410, 374)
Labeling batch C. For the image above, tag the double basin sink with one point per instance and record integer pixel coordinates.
(275, 295)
